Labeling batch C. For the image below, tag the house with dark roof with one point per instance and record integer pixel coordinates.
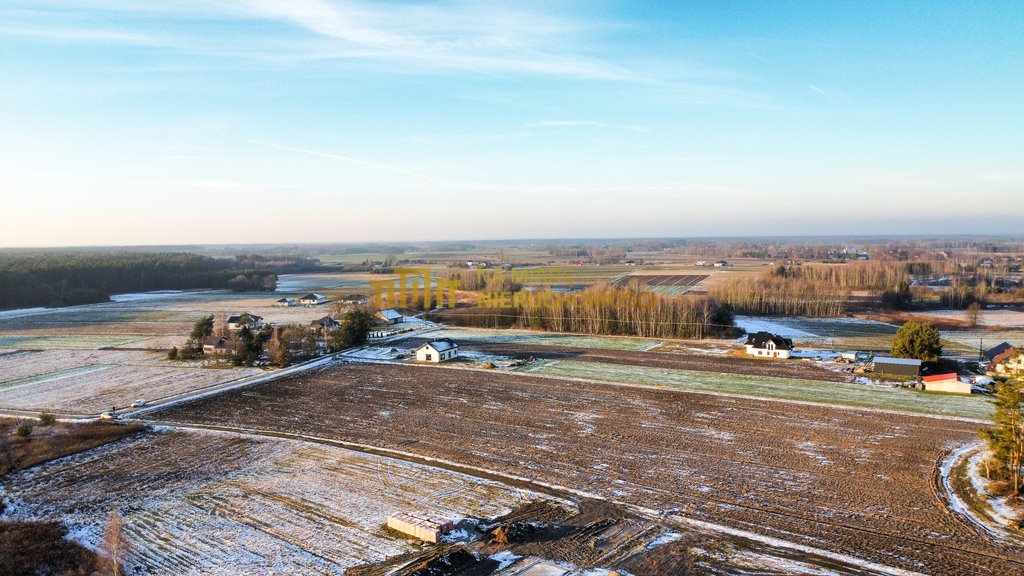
(312, 299)
(997, 354)
(437, 351)
(324, 325)
(238, 321)
(218, 346)
(284, 302)
(768, 345)
(355, 300)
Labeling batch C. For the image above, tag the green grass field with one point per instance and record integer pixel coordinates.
(840, 394)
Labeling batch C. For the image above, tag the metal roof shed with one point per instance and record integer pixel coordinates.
(897, 366)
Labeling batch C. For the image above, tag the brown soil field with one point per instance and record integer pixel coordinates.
(677, 360)
(846, 481)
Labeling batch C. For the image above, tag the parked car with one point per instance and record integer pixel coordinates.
(108, 416)
(138, 403)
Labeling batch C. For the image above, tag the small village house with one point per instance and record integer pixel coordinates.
(768, 345)
(355, 300)
(218, 346)
(324, 326)
(284, 303)
(238, 321)
(897, 366)
(388, 316)
(437, 351)
(997, 354)
(948, 383)
(312, 299)
(720, 263)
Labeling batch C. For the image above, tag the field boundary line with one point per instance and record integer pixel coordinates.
(356, 360)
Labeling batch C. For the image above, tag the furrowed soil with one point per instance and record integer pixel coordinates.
(675, 360)
(848, 482)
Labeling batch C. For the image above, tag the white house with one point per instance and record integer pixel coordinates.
(389, 316)
(437, 351)
(768, 345)
(284, 303)
(312, 299)
(252, 321)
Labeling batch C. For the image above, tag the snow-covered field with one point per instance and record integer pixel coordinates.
(198, 502)
(91, 381)
(1007, 318)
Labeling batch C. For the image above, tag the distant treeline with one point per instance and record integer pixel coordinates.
(824, 289)
(66, 278)
(606, 309)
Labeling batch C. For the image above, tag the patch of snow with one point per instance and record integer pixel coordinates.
(1002, 512)
(143, 296)
(664, 539)
(504, 559)
(752, 324)
(23, 312)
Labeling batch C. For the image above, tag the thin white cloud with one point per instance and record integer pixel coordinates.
(1005, 177)
(395, 169)
(588, 123)
(817, 89)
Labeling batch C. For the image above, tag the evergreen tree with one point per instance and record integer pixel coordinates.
(919, 340)
(1006, 437)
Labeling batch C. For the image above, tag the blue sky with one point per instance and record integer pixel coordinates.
(315, 120)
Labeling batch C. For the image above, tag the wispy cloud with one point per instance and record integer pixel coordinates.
(395, 169)
(1005, 177)
(817, 89)
(484, 37)
(588, 123)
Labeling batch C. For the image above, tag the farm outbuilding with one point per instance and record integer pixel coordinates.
(437, 351)
(948, 383)
(897, 366)
(389, 316)
(426, 527)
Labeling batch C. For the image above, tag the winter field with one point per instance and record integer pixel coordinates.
(864, 334)
(197, 502)
(545, 338)
(92, 381)
(881, 397)
(849, 482)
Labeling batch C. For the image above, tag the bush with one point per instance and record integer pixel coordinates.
(23, 431)
(46, 419)
(41, 548)
(172, 354)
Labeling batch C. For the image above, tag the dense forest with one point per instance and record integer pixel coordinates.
(66, 278)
